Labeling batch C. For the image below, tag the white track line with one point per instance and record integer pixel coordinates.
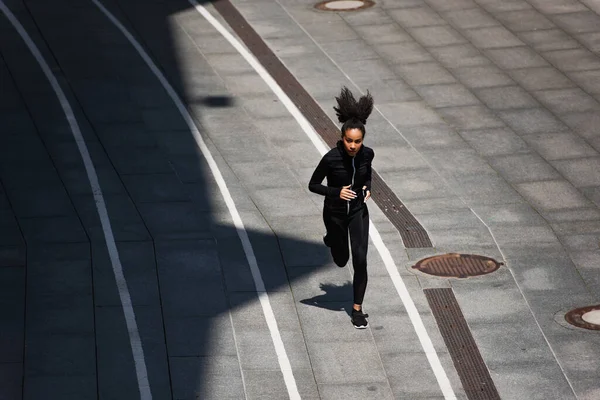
(132, 328)
(411, 309)
(284, 362)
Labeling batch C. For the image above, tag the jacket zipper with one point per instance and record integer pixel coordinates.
(353, 173)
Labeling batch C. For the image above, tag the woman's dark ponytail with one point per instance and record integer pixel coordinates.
(351, 113)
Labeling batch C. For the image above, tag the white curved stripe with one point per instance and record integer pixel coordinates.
(284, 362)
(411, 309)
(132, 328)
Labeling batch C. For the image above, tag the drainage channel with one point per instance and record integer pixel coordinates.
(461, 345)
(411, 231)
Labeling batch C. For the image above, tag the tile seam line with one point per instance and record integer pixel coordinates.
(124, 294)
(424, 338)
(283, 359)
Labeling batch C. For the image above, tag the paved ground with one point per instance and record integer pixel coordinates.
(486, 127)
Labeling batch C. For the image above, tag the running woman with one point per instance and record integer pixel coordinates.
(347, 168)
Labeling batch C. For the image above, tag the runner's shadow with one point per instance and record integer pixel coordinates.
(333, 296)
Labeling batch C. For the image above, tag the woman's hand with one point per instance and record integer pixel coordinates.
(368, 194)
(347, 194)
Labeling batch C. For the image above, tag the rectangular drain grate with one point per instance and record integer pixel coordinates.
(470, 367)
(411, 231)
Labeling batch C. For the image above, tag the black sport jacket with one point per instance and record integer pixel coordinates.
(340, 169)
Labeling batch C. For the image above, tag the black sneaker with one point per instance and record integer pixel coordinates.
(359, 320)
(326, 241)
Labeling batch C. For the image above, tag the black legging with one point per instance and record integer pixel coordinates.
(357, 224)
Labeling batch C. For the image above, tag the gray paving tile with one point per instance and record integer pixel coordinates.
(461, 55)
(236, 272)
(524, 20)
(371, 16)
(482, 76)
(11, 380)
(65, 387)
(270, 384)
(409, 113)
(558, 6)
(587, 80)
(518, 382)
(583, 123)
(12, 311)
(415, 184)
(202, 336)
(155, 188)
(382, 33)
(355, 49)
(341, 391)
(416, 17)
(462, 162)
(506, 97)
(432, 36)
(575, 243)
(391, 91)
(593, 194)
(141, 161)
(331, 32)
(556, 146)
(455, 238)
(175, 220)
(116, 369)
(552, 195)
(450, 95)
(65, 229)
(492, 37)
(468, 294)
(433, 136)
(424, 74)
(491, 142)
(523, 168)
(470, 18)
(516, 57)
(578, 22)
(190, 278)
(441, 5)
(46, 201)
(215, 377)
(563, 59)
(333, 364)
(485, 189)
(541, 78)
(126, 223)
(69, 355)
(470, 117)
(580, 172)
(532, 120)
(562, 101)
(584, 214)
(407, 377)
(403, 53)
(139, 267)
(509, 214)
(548, 39)
(590, 40)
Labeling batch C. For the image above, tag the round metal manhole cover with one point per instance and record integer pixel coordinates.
(585, 317)
(344, 5)
(455, 265)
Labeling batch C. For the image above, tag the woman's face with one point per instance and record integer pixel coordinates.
(352, 139)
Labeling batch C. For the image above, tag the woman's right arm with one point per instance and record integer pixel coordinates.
(316, 181)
